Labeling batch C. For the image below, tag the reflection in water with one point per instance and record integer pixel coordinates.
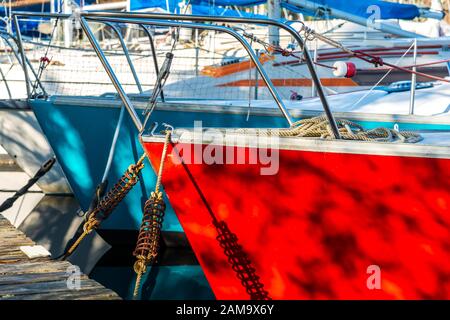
(160, 282)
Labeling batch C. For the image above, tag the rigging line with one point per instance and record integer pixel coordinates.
(393, 66)
(6, 83)
(249, 87)
(163, 75)
(284, 52)
(382, 78)
(177, 35)
(362, 56)
(310, 34)
(113, 144)
(160, 82)
(7, 50)
(11, 66)
(334, 28)
(44, 60)
(51, 36)
(426, 64)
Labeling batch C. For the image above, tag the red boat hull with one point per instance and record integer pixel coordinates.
(327, 226)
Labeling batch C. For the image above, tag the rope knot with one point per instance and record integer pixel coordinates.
(91, 224)
(286, 53)
(140, 265)
(45, 60)
(377, 61)
(156, 196)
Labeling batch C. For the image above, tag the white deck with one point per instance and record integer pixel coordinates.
(432, 105)
(428, 102)
(436, 139)
(433, 145)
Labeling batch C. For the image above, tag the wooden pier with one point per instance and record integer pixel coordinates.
(22, 278)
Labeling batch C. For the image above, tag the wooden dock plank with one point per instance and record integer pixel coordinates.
(33, 267)
(22, 278)
(16, 242)
(96, 294)
(34, 278)
(18, 256)
(44, 287)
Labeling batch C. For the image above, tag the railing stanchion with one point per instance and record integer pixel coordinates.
(112, 76)
(155, 58)
(127, 55)
(22, 53)
(176, 20)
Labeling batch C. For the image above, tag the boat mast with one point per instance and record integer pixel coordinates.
(53, 10)
(67, 9)
(10, 17)
(52, 6)
(274, 12)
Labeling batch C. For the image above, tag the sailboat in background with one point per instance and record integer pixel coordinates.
(288, 72)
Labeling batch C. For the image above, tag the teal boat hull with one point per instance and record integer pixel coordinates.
(159, 283)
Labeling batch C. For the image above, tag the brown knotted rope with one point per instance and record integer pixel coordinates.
(109, 202)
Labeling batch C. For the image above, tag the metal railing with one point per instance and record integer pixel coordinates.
(240, 20)
(229, 31)
(127, 55)
(2, 75)
(173, 20)
(155, 59)
(6, 38)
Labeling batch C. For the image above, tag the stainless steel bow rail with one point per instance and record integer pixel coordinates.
(20, 41)
(2, 75)
(7, 38)
(155, 59)
(191, 22)
(127, 55)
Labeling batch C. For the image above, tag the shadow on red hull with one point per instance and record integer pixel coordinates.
(321, 227)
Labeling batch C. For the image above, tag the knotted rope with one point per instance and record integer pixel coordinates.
(109, 202)
(147, 246)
